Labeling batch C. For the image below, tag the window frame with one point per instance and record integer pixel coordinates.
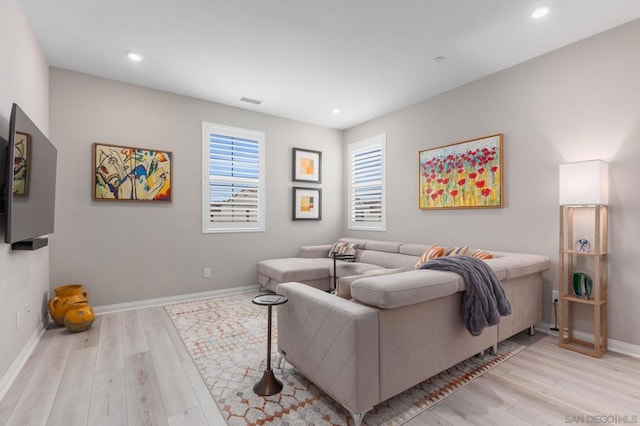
(209, 227)
(375, 141)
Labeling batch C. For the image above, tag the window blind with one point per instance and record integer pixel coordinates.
(367, 189)
(234, 193)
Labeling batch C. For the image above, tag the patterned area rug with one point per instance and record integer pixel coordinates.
(226, 337)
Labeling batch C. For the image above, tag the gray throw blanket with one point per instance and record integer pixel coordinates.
(484, 301)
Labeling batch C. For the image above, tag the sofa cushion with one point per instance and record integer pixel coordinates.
(385, 246)
(452, 251)
(344, 283)
(408, 288)
(315, 251)
(295, 268)
(387, 260)
(414, 249)
(481, 254)
(344, 269)
(430, 253)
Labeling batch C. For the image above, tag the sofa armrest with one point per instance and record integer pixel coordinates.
(333, 342)
(315, 251)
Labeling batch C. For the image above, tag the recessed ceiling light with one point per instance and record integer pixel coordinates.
(133, 56)
(540, 12)
(336, 110)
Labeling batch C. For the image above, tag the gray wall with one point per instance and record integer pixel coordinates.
(24, 276)
(578, 103)
(124, 252)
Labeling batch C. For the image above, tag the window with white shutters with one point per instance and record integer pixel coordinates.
(233, 185)
(367, 209)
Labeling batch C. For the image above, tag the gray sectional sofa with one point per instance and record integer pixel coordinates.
(397, 330)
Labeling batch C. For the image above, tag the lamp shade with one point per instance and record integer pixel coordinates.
(584, 183)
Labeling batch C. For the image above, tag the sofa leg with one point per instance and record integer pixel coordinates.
(494, 350)
(531, 331)
(356, 417)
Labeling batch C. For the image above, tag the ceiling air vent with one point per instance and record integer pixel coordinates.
(250, 101)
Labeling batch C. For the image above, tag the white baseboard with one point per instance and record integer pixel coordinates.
(7, 380)
(148, 303)
(613, 345)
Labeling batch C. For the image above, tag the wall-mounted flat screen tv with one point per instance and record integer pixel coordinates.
(31, 182)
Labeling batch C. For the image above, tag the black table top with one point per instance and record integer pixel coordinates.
(270, 299)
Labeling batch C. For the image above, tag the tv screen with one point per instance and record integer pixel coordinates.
(31, 180)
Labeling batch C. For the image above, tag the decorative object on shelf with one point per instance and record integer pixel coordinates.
(582, 285)
(307, 166)
(462, 175)
(582, 245)
(307, 203)
(583, 190)
(131, 174)
(66, 296)
(79, 317)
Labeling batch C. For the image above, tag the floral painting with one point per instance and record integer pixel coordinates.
(131, 174)
(462, 175)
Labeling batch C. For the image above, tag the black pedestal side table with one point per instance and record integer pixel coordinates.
(268, 385)
(339, 256)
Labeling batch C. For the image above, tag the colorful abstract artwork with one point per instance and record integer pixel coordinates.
(307, 165)
(131, 174)
(22, 144)
(462, 175)
(306, 203)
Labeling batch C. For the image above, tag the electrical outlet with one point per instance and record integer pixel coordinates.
(555, 295)
(27, 308)
(17, 321)
(207, 272)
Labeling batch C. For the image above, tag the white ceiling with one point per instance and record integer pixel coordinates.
(303, 58)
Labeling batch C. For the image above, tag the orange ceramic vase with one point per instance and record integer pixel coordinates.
(66, 296)
(79, 317)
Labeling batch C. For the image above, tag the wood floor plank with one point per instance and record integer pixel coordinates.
(175, 388)
(71, 406)
(474, 409)
(36, 401)
(152, 318)
(134, 338)
(532, 412)
(108, 399)
(90, 337)
(144, 402)
(190, 417)
(428, 418)
(110, 344)
(208, 405)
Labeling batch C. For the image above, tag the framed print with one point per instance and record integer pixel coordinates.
(462, 175)
(307, 166)
(131, 174)
(21, 153)
(307, 203)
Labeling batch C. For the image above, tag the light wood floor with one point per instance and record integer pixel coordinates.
(131, 368)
